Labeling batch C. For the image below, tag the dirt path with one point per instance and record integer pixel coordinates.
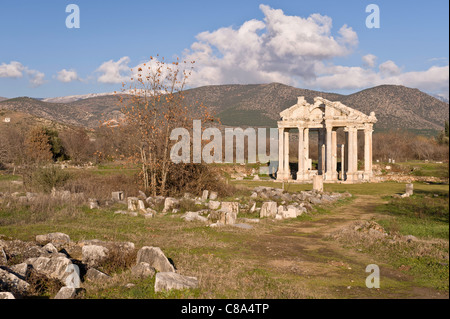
(301, 248)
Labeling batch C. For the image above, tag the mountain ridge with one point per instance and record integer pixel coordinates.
(396, 107)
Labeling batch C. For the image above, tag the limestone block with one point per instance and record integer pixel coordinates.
(268, 209)
(155, 258)
(171, 280)
(318, 183)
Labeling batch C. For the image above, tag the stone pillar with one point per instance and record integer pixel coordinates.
(280, 171)
(334, 172)
(352, 171)
(328, 173)
(346, 153)
(367, 153)
(318, 183)
(342, 162)
(301, 155)
(287, 170)
(306, 150)
(409, 189)
(322, 169)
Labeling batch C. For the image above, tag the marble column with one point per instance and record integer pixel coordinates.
(301, 155)
(306, 150)
(328, 147)
(342, 162)
(287, 170)
(352, 172)
(280, 171)
(368, 153)
(346, 153)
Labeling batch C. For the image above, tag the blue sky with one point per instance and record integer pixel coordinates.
(232, 41)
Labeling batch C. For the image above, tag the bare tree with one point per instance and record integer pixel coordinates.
(156, 107)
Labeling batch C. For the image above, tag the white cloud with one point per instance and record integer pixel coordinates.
(12, 70)
(113, 71)
(16, 70)
(67, 76)
(279, 49)
(369, 60)
(434, 80)
(297, 51)
(36, 78)
(389, 68)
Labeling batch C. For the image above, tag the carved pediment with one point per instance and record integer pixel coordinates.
(323, 109)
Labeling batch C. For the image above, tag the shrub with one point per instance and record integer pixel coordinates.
(45, 178)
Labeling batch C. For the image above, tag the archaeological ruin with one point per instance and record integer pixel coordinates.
(325, 117)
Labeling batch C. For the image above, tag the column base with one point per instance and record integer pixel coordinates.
(367, 176)
(282, 176)
(352, 177)
(303, 177)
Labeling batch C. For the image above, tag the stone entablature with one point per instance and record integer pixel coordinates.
(325, 117)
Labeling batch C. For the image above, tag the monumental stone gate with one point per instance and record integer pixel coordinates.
(325, 117)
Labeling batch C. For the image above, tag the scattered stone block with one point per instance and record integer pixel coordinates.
(67, 293)
(142, 195)
(12, 283)
(94, 255)
(213, 204)
(3, 258)
(232, 207)
(96, 275)
(268, 209)
(141, 206)
(6, 295)
(193, 216)
(20, 270)
(170, 280)
(54, 238)
(143, 270)
(93, 203)
(213, 196)
(205, 195)
(409, 189)
(318, 183)
(117, 196)
(54, 267)
(50, 248)
(155, 258)
(169, 203)
(133, 203)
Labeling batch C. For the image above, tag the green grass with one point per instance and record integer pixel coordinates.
(143, 289)
(425, 217)
(418, 215)
(8, 177)
(383, 189)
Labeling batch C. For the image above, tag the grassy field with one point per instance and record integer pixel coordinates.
(275, 259)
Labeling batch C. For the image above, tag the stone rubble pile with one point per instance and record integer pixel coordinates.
(55, 257)
(279, 205)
